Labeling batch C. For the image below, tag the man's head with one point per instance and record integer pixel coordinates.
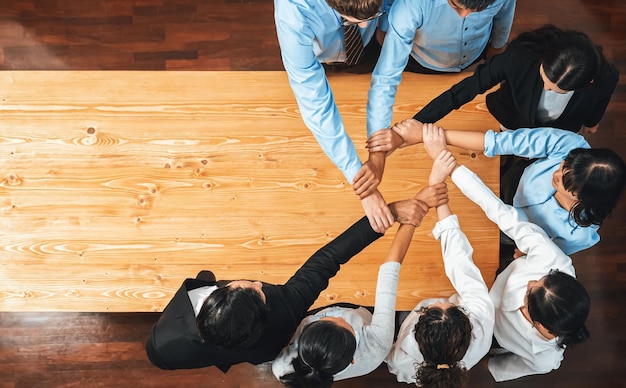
(356, 9)
(466, 7)
(234, 315)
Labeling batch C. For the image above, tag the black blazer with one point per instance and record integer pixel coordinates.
(514, 104)
(175, 343)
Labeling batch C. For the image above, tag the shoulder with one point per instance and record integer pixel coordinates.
(300, 11)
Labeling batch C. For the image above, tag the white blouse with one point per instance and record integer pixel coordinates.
(529, 352)
(472, 295)
(374, 333)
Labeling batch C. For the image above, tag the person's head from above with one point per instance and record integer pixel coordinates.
(466, 7)
(569, 59)
(234, 315)
(443, 334)
(593, 180)
(359, 12)
(558, 306)
(325, 348)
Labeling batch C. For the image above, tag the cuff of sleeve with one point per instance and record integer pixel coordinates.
(448, 223)
(490, 143)
(462, 175)
(351, 172)
(391, 266)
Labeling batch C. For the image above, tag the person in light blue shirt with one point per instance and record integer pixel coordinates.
(311, 33)
(432, 36)
(568, 191)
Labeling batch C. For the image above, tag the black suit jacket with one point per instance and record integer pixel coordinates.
(175, 343)
(515, 103)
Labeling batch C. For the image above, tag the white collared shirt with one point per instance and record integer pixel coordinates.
(530, 352)
(472, 295)
(374, 333)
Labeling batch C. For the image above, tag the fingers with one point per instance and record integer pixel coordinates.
(375, 225)
(380, 141)
(359, 179)
(366, 189)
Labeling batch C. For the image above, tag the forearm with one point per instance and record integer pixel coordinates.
(443, 212)
(314, 275)
(470, 140)
(400, 244)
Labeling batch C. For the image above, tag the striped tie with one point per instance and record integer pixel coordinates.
(353, 43)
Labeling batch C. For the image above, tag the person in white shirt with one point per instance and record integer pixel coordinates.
(540, 307)
(340, 342)
(444, 337)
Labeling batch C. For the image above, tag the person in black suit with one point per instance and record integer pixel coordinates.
(250, 321)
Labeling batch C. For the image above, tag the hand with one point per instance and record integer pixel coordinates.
(442, 167)
(409, 212)
(369, 176)
(517, 254)
(377, 212)
(410, 130)
(433, 196)
(384, 140)
(434, 140)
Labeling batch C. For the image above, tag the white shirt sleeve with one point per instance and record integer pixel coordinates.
(469, 284)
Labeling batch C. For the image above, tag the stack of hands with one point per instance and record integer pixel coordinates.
(382, 144)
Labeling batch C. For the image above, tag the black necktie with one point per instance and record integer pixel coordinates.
(353, 43)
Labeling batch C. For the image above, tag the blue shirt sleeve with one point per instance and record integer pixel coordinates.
(533, 143)
(314, 96)
(502, 23)
(393, 59)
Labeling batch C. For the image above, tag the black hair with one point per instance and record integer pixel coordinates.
(561, 306)
(232, 317)
(358, 9)
(597, 177)
(323, 350)
(443, 337)
(475, 5)
(569, 58)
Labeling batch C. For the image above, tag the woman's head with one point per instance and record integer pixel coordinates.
(596, 176)
(560, 304)
(324, 349)
(569, 60)
(443, 334)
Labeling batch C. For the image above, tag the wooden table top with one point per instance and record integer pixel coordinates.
(115, 186)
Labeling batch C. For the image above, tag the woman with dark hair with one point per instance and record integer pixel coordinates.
(569, 190)
(548, 78)
(444, 337)
(538, 312)
(336, 342)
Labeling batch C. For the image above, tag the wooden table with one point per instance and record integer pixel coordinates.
(116, 186)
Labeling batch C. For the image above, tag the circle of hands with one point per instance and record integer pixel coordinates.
(405, 133)
(410, 132)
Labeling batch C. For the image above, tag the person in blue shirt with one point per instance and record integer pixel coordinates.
(432, 36)
(568, 191)
(310, 34)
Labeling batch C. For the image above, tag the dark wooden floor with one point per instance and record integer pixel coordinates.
(73, 349)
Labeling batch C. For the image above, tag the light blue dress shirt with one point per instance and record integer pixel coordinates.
(310, 33)
(535, 193)
(437, 38)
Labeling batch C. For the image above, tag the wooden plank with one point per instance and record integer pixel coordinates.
(115, 186)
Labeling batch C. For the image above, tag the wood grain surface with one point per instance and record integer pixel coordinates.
(116, 186)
